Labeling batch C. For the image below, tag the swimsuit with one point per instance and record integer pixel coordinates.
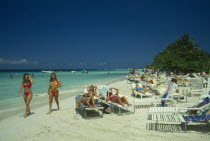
(27, 85)
(112, 96)
(137, 89)
(27, 93)
(53, 84)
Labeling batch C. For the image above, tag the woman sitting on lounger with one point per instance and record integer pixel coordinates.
(88, 97)
(143, 78)
(92, 88)
(115, 98)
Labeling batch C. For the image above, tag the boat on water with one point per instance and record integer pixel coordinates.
(49, 71)
(59, 71)
(84, 71)
(73, 71)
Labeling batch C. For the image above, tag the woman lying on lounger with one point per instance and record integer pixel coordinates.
(115, 98)
(88, 97)
(141, 88)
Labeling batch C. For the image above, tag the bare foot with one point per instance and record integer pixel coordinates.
(25, 115)
(59, 109)
(49, 112)
(90, 106)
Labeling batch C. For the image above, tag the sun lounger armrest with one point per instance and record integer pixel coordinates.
(197, 109)
(170, 99)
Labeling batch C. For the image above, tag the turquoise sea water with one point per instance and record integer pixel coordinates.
(72, 83)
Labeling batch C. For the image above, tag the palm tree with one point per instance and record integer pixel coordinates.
(183, 55)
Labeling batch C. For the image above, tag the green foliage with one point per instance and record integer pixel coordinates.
(182, 55)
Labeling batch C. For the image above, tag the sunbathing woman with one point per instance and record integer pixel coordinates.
(115, 98)
(53, 91)
(143, 78)
(141, 88)
(92, 88)
(26, 84)
(88, 97)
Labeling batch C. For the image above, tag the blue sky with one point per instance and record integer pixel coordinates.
(41, 34)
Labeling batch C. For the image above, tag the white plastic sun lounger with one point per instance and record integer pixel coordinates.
(157, 101)
(102, 94)
(172, 114)
(136, 93)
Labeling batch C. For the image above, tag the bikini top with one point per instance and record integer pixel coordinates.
(54, 83)
(27, 85)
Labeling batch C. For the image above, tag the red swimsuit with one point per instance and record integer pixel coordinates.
(27, 85)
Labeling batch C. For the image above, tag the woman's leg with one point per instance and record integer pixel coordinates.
(50, 102)
(142, 91)
(56, 99)
(28, 100)
(117, 100)
(78, 103)
(146, 90)
(87, 102)
(92, 101)
(24, 97)
(124, 100)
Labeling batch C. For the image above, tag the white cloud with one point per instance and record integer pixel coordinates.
(35, 62)
(17, 62)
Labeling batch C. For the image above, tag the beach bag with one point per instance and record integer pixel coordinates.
(107, 108)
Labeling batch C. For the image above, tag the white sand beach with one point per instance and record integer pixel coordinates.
(66, 125)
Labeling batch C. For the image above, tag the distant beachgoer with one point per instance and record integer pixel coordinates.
(132, 71)
(141, 88)
(175, 85)
(205, 80)
(136, 76)
(11, 76)
(26, 84)
(203, 74)
(143, 78)
(53, 91)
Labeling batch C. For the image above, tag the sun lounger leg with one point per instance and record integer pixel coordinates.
(134, 110)
(156, 125)
(100, 112)
(208, 123)
(84, 113)
(111, 106)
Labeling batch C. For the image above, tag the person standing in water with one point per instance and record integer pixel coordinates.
(53, 91)
(132, 71)
(26, 84)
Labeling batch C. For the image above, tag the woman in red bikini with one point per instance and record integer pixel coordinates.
(53, 91)
(26, 84)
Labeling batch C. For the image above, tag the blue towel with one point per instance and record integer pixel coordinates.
(204, 117)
